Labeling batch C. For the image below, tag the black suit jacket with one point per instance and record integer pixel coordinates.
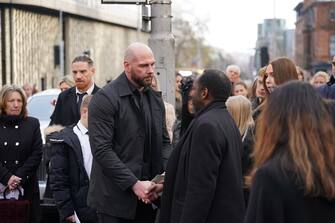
(203, 182)
(68, 178)
(66, 110)
(116, 129)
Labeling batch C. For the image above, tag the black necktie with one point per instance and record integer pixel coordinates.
(80, 99)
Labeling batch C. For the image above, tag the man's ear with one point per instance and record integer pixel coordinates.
(204, 93)
(126, 66)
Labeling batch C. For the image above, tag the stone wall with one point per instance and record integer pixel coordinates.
(106, 43)
(31, 35)
(29, 42)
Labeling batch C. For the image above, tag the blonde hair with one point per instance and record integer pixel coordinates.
(240, 109)
(320, 74)
(68, 80)
(4, 93)
(86, 101)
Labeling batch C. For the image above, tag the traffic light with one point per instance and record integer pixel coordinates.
(264, 56)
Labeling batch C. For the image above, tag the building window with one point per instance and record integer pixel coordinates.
(332, 14)
(332, 45)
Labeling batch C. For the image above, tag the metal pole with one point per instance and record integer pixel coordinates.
(139, 20)
(161, 42)
(61, 44)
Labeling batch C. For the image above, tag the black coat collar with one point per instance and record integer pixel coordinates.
(125, 90)
(211, 105)
(11, 119)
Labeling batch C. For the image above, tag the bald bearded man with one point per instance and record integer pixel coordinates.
(129, 141)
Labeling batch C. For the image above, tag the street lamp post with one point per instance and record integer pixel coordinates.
(161, 42)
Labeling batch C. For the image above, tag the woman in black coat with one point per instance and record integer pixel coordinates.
(20, 147)
(187, 113)
(293, 179)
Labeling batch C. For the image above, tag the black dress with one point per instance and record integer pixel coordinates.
(276, 197)
(20, 155)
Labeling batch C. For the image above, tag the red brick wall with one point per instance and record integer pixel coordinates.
(324, 28)
(321, 31)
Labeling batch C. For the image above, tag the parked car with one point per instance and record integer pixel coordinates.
(40, 106)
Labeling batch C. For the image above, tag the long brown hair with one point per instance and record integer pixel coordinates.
(284, 70)
(296, 127)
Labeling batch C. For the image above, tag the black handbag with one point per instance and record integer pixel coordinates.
(14, 211)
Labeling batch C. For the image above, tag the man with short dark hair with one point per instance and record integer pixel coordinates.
(129, 141)
(67, 107)
(203, 180)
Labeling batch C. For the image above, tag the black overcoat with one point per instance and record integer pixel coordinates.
(68, 178)
(116, 130)
(328, 90)
(20, 155)
(203, 182)
(277, 197)
(66, 110)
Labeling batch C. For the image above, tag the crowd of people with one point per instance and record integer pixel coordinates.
(227, 152)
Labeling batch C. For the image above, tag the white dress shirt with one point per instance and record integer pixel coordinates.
(81, 131)
(88, 92)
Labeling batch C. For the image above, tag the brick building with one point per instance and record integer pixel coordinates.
(38, 39)
(315, 34)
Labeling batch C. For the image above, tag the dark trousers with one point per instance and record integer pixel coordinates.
(144, 214)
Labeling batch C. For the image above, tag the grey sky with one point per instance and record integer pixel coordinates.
(232, 24)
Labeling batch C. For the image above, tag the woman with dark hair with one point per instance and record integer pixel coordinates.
(293, 179)
(257, 93)
(240, 88)
(187, 114)
(279, 71)
(301, 73)
(20, 147)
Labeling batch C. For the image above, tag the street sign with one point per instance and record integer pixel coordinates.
(136, 2)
